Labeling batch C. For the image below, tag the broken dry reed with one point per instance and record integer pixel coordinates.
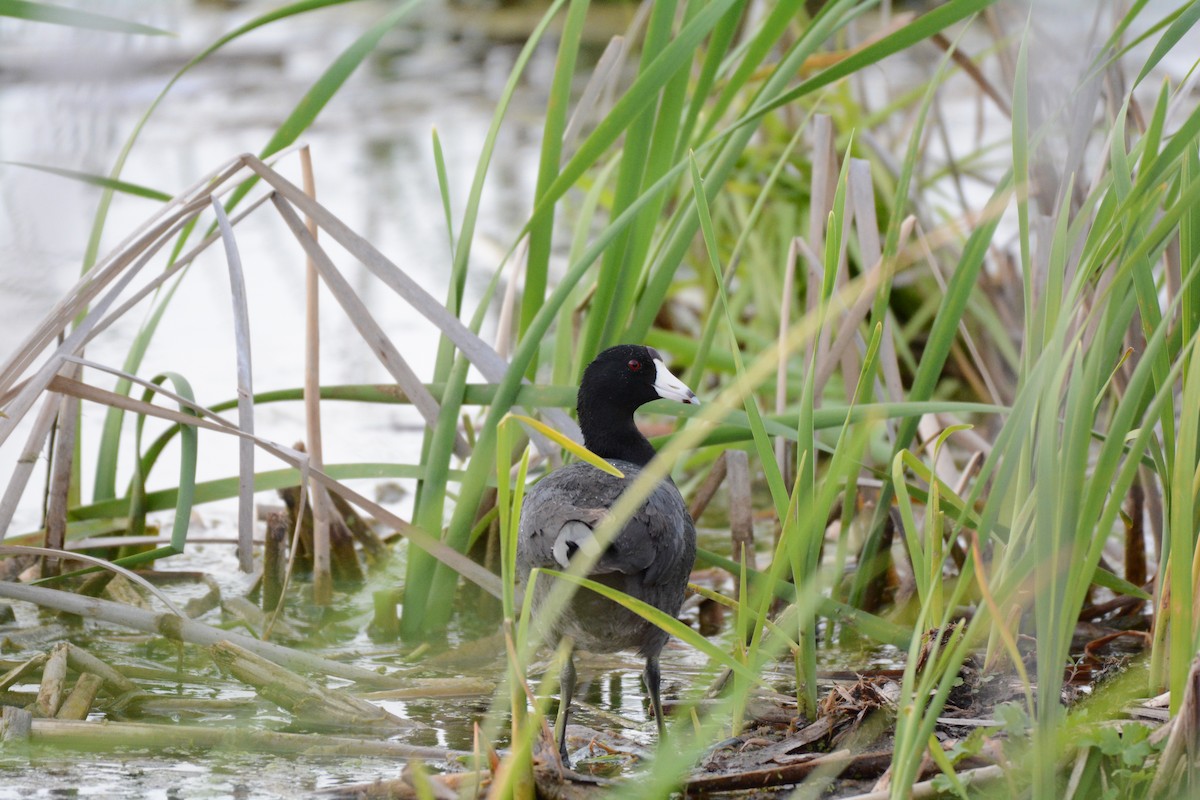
(186, 630)
(117, 736)
(245, 387)
(82, 661)
(53, 686)
(19, 671)
(321, 568)
(310, 704)
(274, 560)
(79, 702)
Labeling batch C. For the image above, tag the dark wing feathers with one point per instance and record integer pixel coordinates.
(659, 541)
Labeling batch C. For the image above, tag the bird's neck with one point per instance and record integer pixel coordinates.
(613, 435)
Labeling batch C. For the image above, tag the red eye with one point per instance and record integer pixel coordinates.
(634, 365)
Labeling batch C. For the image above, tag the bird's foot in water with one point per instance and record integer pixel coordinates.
(599, 753)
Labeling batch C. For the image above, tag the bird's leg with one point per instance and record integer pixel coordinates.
(566, 690)
(652, 679)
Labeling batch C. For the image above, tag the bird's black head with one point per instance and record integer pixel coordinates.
(614, 385)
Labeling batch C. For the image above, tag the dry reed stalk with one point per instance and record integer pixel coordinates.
(372, 544)
(322, 574)
(93, 282)
(846, 333)
(1178, 773)
(177, 266)
(741, 512)
(458, 784)
(256, 619)
(245, 389)
(82, 661)
(58, 489)
(79, 702)
(708, 489)
(115, 273)
(159, 228)
(54, 678)
(356, 311)
(312, 704)
(840, 351)
(107, 736)
(210, 421)
(22, 400)
(919, 791)
(605, 75)
(862, 197)
(483, 356)
(21, 670)
(28, 458)
(179, 628)
(15, 724)
(274, 560)
(860, 209)
(427, 688)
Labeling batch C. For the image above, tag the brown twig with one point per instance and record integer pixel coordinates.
(861, 766)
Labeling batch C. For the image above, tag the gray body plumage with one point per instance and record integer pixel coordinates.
(650, 559)
(652, 556)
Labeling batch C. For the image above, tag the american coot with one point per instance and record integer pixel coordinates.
(652, 556)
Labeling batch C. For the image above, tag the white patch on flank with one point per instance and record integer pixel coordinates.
(573, 533)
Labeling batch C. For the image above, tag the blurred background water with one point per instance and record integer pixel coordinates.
(70, 97)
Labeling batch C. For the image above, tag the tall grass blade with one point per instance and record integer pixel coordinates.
(541, 230)
(133, 189)
(31, 11)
